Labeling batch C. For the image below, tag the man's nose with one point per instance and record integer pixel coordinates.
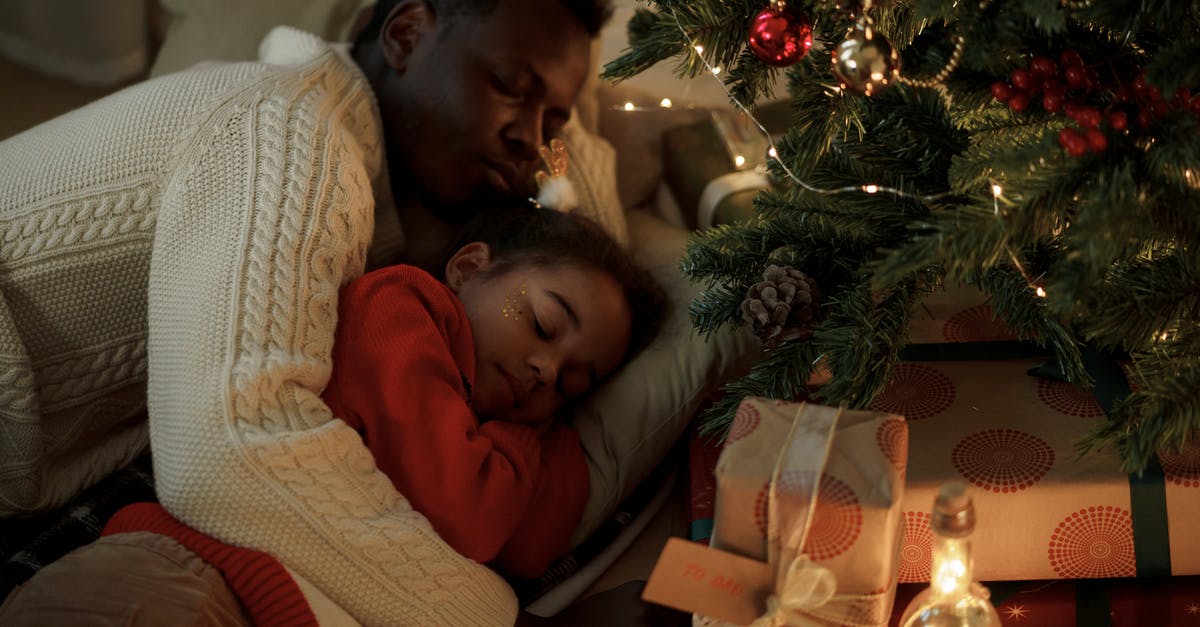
(524, 135)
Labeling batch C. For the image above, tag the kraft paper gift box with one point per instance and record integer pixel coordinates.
(1043, 511)
(815, 492)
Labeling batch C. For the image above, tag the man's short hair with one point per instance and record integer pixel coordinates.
(593, 14)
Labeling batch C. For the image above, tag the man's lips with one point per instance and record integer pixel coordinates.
(502, 176)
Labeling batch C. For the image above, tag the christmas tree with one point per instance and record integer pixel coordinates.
(1046, 152)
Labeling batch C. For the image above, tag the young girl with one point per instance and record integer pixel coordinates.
(455, 385)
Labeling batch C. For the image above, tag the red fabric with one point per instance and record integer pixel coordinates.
(261, 583)
(403, 365)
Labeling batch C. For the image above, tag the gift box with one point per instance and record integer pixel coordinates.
(716, 166)
(815, 492)
(1086, 602)
(976, 412)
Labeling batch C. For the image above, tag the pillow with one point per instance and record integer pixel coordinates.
(593, 173)
(629, 424)
(230, 30)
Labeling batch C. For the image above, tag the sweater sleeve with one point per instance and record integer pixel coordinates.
(403, 360)
(544, 533)
(266, 213)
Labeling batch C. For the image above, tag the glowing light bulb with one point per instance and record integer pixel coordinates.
(629, 106)
(997, 190)
(665, 103)
(1041, 292)
(953, 598)
(739, 160)
(699, 49)
(716, 70)
(870, 189)
(774, 154)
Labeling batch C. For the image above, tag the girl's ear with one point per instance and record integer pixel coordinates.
(466, 263)
(402, 30)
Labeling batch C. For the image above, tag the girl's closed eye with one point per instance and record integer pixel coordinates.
(541, 330)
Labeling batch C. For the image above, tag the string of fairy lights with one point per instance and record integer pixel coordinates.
(868, 188)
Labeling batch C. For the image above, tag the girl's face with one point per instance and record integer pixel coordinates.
(544, 336)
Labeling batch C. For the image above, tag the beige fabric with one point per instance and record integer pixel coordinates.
(78, 201)
(244, 449)
(230, 30)
(125, 580)
(593, 173)
(637, 137)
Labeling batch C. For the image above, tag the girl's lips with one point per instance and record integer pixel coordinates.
(515, 389)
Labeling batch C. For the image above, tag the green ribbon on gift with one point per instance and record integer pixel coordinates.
(1147, 491)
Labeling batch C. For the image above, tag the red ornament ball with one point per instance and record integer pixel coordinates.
(780, 37)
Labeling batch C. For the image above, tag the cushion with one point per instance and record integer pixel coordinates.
(630, 423)
(230, 30)
(637, 136)
(593, 173)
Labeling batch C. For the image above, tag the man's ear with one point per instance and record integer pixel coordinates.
(466, 263)
(402, 30)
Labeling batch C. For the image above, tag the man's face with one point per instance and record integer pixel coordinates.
(476, 98)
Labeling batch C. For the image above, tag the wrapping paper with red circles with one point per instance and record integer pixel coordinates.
(1043, 511)
(855, 529)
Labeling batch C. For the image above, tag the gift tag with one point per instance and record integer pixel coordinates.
(700, 579)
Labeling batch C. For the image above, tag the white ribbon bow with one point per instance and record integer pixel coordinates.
(806, 586)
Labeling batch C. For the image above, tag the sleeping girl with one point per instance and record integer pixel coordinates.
(455, 385)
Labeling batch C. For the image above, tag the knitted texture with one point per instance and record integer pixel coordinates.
(593, 174)
(265, 217)
(261, 583)
(78, 201)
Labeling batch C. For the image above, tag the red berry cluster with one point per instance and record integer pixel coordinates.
(1072, 87)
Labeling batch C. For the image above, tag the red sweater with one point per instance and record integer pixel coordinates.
(265, 588)
(403, 367)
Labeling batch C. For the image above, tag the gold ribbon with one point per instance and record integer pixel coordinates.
(805, 591)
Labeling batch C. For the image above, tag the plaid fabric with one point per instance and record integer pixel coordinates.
(28, 544)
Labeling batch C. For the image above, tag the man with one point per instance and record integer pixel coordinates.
(468, 101)
(461, 95)
(465, 90)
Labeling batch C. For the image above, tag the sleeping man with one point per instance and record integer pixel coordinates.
(139, 230)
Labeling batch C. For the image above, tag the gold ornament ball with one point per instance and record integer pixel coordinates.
(866, 62)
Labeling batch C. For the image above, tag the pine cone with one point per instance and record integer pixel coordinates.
(783, 306)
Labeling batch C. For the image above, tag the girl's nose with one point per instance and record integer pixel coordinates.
(544, 367)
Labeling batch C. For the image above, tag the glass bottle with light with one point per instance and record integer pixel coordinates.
(953, 598)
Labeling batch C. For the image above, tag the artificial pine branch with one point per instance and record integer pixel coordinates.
(1096, 247)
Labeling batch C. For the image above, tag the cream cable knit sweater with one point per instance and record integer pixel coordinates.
(257, 217)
